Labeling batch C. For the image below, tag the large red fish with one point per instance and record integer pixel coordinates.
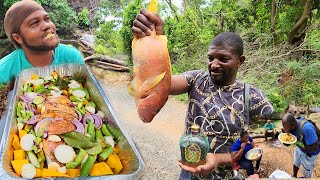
(151, 71)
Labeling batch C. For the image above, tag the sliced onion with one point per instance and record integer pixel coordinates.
(34, 110)
(79, 126)
(87, 116)
(97, 121)
(28, 107)
(40, 122)
(32, 120)
(45, 134)
(30, 96)
(79, 114)
(23, 98)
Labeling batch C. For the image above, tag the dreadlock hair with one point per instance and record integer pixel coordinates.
(229, 40)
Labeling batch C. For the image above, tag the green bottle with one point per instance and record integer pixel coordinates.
(194, 147)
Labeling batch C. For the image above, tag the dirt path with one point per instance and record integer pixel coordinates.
(158, 141)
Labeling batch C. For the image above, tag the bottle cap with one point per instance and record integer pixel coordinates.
(195, 128)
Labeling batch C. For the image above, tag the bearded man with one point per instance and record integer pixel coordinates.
(29, 28)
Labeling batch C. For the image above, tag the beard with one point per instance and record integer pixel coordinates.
(41, 47)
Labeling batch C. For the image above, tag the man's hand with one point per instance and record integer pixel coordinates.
(146, 22)
(212, 162)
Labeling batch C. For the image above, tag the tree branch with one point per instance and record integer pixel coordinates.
(303, 19)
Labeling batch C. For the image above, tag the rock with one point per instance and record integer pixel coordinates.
(87, 38)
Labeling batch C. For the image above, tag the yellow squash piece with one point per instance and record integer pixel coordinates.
(26, 127)
(115, 150)
(73, 172)
(19, 154)
(38, 172)
(52, 173)
(16, 142)
(22, 133)
(114, 163)
(151, 71)
(17, 165)
(34, 77)
(100, 169)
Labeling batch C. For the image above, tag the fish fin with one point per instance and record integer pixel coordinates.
(151, 82)
(132, 88)
(153, 6)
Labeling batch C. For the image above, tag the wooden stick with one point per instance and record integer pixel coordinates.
(111, 65)
(105, 59)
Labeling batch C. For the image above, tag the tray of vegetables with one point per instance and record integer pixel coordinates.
(60, 124)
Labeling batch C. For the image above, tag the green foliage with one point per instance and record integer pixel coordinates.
(182, 97)
(61, 14)
(108, 39)
(83, 18)
(129, 14)
(278, 102)
(303, 87)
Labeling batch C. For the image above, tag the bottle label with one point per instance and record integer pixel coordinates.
(192, 153)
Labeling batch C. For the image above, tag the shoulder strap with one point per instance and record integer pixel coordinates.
(246, 97)
(300, 128)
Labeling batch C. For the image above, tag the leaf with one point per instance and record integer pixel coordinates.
(77, 140)
(61, 83)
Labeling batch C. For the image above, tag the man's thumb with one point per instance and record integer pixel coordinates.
(204, 167)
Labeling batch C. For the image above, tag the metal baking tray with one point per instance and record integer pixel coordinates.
(131, 159)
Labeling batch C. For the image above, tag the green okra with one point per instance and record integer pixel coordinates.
(100, 139)
(41, 157)
(91, 131)
(82, 153)
(87, 166)
(105, 130)
(72, 165)
(33, 159)
(105, 153)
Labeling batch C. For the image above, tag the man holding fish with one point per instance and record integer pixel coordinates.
(216, 98)
(29, 28)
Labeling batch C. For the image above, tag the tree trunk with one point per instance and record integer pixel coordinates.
(221, 22)
(173, 9)
(297, 33)
(273, 18)
(184, 7)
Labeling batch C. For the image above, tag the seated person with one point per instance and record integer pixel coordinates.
(239, 149)
(269, 130)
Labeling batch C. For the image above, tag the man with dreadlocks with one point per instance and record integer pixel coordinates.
(216, 98)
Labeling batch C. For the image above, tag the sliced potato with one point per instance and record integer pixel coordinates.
(64, 153)
(28, 171)
(26, 142)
